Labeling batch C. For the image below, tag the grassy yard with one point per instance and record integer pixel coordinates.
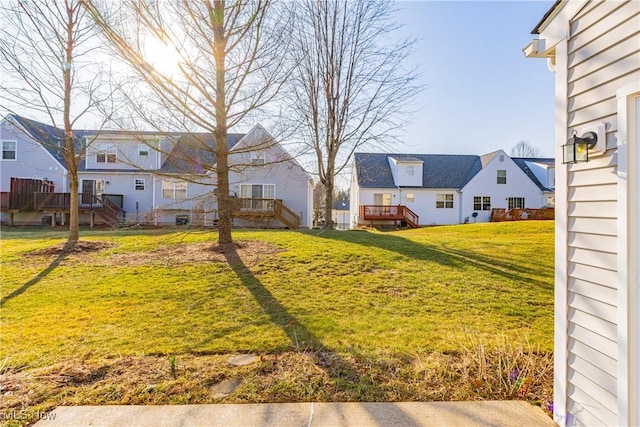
(333, 315)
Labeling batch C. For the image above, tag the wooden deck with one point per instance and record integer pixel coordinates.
(398, 213)
(109, 207)
(266, 209)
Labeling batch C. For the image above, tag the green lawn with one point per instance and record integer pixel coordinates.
(358, 292)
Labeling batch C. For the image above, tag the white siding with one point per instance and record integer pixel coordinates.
(32, 161)
(484, 183)
(127, 152)
(292, 183)
(603, 55)
(424, 204)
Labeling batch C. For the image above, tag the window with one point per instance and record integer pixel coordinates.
(182, 219)
(382, 199)
(8, 150)
(410, 171)
(516, 202)
(482, 203)
(257, 158)
(139, 184)
(174, 189)
(410, 198)
(444, 200)
(257, 191)
(143, 150)
(502, 176)
(257, 196)
(502, 157)
(106, 153)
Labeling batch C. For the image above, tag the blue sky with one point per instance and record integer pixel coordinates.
(481, 94)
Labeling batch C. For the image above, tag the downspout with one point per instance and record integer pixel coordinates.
(153, 200)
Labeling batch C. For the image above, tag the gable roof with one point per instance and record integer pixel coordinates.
(523, 163)
(187, 156)
(194, 152)
(48, 136)
(340, 205)
(438, 170)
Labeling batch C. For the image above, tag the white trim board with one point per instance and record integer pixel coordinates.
(628, 110)
(561, 298)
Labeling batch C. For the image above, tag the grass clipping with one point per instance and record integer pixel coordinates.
(505, 371)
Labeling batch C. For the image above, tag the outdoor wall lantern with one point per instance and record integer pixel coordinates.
(577, 149)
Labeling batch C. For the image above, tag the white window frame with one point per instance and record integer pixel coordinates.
(411, 197)
(484, 203)
(172, 189)
(383, 198)
(268, 191)
(109, 151)
(143, 150)
(15, 150)
(137, 183)
(514, 203)
(498, 177)
(410, 170)
(444, 201)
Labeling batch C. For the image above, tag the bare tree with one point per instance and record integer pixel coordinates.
(318, 203)
(48, 54)
(230, 66)
(524, 149)
(352, 85)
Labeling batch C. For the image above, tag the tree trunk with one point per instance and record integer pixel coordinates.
(328, 208)
(69, 150)
(222, 151)
(74, 234)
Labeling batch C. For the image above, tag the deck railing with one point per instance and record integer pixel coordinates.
(518, 214)
(62, 201)
(265, 208)
(389, 213)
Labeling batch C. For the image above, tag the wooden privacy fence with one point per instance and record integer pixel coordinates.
(23, 190)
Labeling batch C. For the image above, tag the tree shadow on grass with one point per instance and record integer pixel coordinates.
(61, 256)
(443, 255)
(343, 373)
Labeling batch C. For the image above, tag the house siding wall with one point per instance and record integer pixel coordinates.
(485, 184)
(603, 55)
(127, 156)
(292, 184)
(122, 183)
(199, 196)
(424, 204)
(32, 161)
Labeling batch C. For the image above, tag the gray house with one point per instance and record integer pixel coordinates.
(148, 177)
(593, 47)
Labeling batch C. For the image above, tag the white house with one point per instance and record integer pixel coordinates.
(149, 177)
(593, 47)
(340, 214)
(434, 189)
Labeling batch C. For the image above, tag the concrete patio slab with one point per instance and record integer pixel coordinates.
(485, 413)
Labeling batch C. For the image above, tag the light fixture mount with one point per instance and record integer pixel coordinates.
(577, 148)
